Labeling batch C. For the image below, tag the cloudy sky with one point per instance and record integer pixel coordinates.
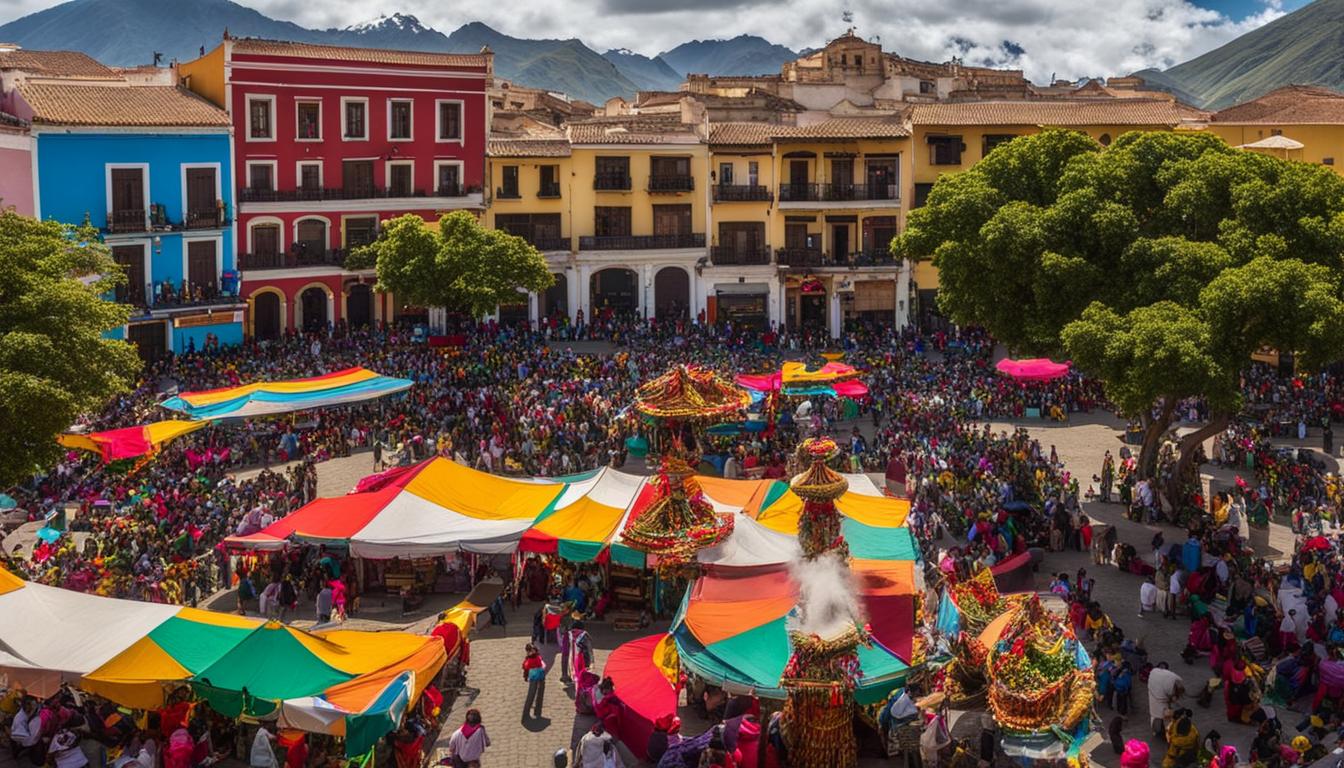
(1067, 38)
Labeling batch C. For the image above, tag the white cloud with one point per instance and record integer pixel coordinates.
(1067, 38)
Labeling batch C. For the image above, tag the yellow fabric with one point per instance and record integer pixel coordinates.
(584, 520)
(217, 619)
(9, 582)
(481, 495)
(134, 678)
(222, 395)
(162, 431)
(358, 653)
(783, 515)
(884, 577)
(665, 659)
(357, 694)
(464, 618)
(877, 511)
(78, 442)
(732, 493)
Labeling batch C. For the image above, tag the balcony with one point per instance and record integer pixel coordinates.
(801, 257)
(127, 220)
(167, 295)
(549, 191)
(671, 183)
(204, 218)
(640, 242)
(742, 193)
(727, 255)
(300, 257)
(320, 194)
(873, 258)
(549, 243)
(828, 193)
(611, 181)
(502, 193)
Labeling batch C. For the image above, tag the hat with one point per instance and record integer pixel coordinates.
(1301, 743)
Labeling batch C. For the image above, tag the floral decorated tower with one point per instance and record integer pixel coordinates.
(680, 521)
(825, 630)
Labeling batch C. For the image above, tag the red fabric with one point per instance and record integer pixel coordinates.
(297, 755)
(646, 693)
(1034, 369)
(336, 518)
(332, 375)
(892, 619)
(451, 637)
(125, 443)
(851, 388)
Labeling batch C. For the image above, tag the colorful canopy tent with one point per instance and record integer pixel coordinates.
(130, 442)
(267, 398)
(645, 672)
(795, 378)
(439, 506)
(1034, 369)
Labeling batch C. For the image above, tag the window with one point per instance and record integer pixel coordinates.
(754, 173)
(261, 118)
(672, 219)
(311, 236)
(612, 173)
(611, 221)
(1327, 161)
(926, 86)
(741, 236)
(399, 120)
(993, 140)
(310, 176)
(308, 121)
(922, 191)
(878, 232)
(261, 177)
(883, 179)
(842, 171)
(203, 208)
(540, 229)
(357, 177)
(449, 121)
(945, 150)
(131, 259)
(399, 179)
(201, 267)
(127, 211)
(355, 120)
(1104, 139)
(508, 189)
(266, 239)
(796, 237)
(549, 185)
(670, 166)
(361, 231)
(726, 173)
(448, 179)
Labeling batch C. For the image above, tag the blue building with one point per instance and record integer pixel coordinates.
(150, 165)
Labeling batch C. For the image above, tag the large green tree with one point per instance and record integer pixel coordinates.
(1159, 264)
(463, 266)
(55, 363)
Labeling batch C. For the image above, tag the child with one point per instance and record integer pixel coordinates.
(1124, 683)
(534, 672)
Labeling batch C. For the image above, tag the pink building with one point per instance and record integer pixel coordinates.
(16, 169)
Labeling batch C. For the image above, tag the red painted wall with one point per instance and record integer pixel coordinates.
(334, 218)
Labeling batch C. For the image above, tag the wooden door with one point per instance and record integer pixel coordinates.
(131, 258)
(201, 198)
(201, 267)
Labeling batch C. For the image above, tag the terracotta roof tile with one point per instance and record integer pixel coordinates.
(890, 127)
(259, 47)
(72, 64)
(741, 134)
(1291, 104)
(632, 130)
(512, 147)
(1048, 112)
(149, 105)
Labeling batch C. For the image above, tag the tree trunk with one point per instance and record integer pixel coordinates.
(1188, 447)
(1153, 430)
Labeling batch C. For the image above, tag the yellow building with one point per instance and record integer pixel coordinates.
(953, 136)
(740, 280)
(1308, 115)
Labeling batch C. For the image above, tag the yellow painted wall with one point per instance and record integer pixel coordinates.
(819, 170)
(740, 211)
(583, 166)
(529, 184)
(1322, 141)
(205, 76)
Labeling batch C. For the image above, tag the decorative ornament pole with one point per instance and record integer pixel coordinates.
(824, 670)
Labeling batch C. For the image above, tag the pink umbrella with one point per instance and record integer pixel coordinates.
(1035, 369)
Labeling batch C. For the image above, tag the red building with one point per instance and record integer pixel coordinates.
(328, 143)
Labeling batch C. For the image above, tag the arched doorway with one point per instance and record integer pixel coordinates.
(555, 302)
(359, 306)
(313, 304)
(265, 316)
(615, 291)
(671, 294)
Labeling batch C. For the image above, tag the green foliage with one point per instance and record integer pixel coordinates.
(463, 266)
(54, 362)
(1159, 264)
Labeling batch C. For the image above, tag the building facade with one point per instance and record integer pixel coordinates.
(329, 142)
(150, 167)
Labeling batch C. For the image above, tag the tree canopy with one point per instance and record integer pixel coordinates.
(462, 266)
(55, 363)
(1159, 264)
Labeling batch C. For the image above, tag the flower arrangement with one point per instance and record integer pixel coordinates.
(1034, 679)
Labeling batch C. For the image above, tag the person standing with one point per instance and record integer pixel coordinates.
(1165, 688)
(1107, 477)
(534, 672)
(468, 743)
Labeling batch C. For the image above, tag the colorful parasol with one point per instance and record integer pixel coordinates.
(796, 379)
(689, 392)
(1034, 369)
